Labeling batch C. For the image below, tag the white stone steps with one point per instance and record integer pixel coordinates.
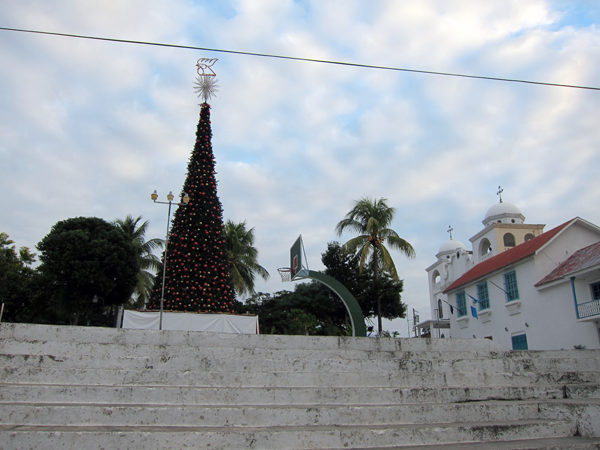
(172, 339)
(567, 443)
(85, 388)
(458, 372)
(567, 363)
(280, 438)
(251, 378)
(263, 416)
(180, 395)
(54, 348)
(217, 364)
(586, 390)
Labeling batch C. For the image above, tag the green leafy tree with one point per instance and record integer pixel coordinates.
(90, 263)
(302, 322)
(197, 272)
(278, 313)
(16, 276)
(343, 266)
(288, 312)
(149, 263)
(242, 255)
(371, 219)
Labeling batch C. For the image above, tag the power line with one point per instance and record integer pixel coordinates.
(294, 58)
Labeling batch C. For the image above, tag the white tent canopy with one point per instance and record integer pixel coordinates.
(217, 323)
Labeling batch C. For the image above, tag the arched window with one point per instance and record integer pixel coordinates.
(529, 237)
(485, 247)
(436, 277)
(509, 240)
(440, 310)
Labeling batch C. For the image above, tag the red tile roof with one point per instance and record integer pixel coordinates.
(507, 257)
(582, 259)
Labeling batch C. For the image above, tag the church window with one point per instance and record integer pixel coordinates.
(440, 310)
(484, 296)
(461, 304)
(436, 277)
(509, 240)
(529, 237)
(510, 286)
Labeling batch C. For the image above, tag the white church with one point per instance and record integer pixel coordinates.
(520, 286)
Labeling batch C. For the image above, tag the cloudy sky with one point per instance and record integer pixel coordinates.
(91, 128)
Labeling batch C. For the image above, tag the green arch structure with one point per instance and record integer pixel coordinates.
(356, 317)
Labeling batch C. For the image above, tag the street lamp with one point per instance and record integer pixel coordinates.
(170, 197)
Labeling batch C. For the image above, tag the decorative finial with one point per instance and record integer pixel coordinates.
(499, 193)
(206, 83)
(206, 87)
(206, 64)
(450, 230)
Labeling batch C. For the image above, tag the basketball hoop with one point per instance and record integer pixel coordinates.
(286, 273)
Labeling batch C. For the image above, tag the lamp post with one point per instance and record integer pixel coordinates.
(170, 197)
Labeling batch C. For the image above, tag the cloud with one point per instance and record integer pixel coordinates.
(92, 128)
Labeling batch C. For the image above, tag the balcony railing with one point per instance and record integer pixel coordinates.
(486, 256)
(588, 309)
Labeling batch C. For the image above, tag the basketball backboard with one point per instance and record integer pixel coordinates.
(299, 269)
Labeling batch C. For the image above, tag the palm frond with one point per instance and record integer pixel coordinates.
(395, 242)
(242, 255)
(387, 263)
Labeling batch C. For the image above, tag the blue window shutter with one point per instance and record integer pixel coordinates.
(511, 287)
(461, 304)
(484, 296)
(520, 342)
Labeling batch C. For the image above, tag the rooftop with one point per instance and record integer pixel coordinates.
(507, 257)
(587, 257)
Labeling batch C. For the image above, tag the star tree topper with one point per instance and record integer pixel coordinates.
(206, 83)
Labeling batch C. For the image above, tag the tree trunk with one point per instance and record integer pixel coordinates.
(376, 275)
(75, 320)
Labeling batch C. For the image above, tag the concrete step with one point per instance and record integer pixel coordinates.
(253, 378)
(281, 438)
(421, 373)
(264, 416)
(181, 395)
(218, 364)
(568, 443)
(567, 363)
(75, 387)
(587, 390)
(58, 348)
(50, 333)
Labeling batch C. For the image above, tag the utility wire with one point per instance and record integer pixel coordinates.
(293, 58)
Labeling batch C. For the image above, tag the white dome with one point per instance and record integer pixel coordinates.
(505, 211)
(451, 246)
(502, 208)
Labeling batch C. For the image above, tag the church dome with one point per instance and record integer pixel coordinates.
(451, 246)
(503, 212)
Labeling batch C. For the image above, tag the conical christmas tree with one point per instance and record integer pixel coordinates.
(197, 275)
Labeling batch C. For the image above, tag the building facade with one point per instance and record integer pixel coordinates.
(520, 286)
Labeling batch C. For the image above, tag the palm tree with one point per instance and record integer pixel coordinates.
(371, 218)
(149, 262)
(242, 256)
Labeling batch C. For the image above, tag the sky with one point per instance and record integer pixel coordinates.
(91, 128)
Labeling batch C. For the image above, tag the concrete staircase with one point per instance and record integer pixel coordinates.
(93, 388)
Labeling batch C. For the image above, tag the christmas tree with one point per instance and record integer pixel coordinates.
(197, 274)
